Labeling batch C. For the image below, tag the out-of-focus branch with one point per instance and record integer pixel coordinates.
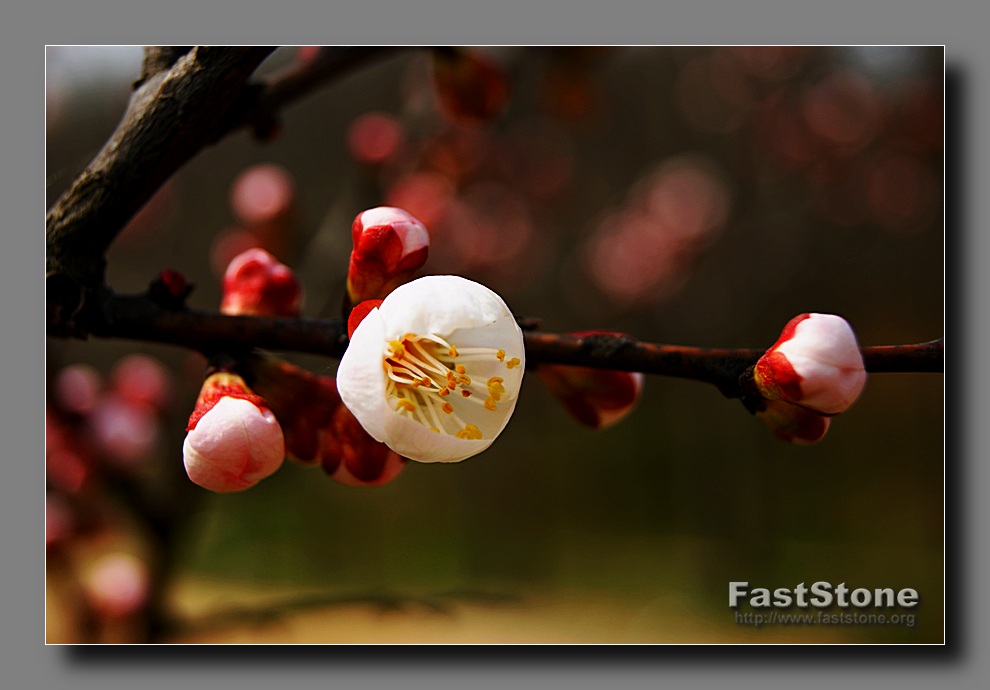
(292, 83)
(138, 318)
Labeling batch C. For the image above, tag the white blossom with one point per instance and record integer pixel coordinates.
(434, 372)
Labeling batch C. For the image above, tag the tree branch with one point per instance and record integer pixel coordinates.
(184, 100)
(137, 317)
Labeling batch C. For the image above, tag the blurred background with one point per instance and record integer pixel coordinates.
(689, 195)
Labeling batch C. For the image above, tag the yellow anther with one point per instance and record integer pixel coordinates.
(460, 369)
(500, 355)
(471, 432)
(490, 404)
(464, 380)
(447, 408)
(397, 349)
(495, 388)
(444, 392)
(514, 362)
(452, 351)
(405, 404)
(434, 430)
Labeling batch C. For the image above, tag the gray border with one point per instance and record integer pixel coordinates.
(28, 664)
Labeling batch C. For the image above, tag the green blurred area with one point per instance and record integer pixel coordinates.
(685, 495)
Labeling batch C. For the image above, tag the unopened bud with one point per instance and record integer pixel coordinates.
(350, 456)
(597, 398)
(792, 423)
(169, 289)
(470, 89)
(256, 283)
(303, 403)
(816, 363)
(117, 585)
(390, 245)
(233, 440)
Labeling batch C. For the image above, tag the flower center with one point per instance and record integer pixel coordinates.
(430, 379)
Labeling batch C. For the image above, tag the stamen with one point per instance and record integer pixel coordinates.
(470, 431)
(421, 375)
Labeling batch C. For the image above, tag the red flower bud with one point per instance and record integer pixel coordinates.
(816, 363)
(169, 289)
(350, 456)
(597, 398)
(303, 403)
(257, 284)
(390, 245)
(233, 439)
(792, 423)
(470, 89)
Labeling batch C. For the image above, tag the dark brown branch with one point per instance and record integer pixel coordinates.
(185, 100)
(293, 83)
(158, 59)
(138, 318)
(171, 117)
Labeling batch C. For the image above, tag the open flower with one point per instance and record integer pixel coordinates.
(233, 440)
(816, 363)
(435, 371)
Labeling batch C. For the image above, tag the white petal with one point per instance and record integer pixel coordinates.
(414, 441)
(440, 305)
(360, 378)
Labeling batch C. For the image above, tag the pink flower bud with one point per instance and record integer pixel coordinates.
(117, 585)
(350, 456)
(126, 432)
(374, 138)
(597, 398)
(390, 245)
(233, 440)
(303, 403)
(793, 424)
(78, 388)
(256, 283)
(816, 363)
(470, 88)
(142, 380)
